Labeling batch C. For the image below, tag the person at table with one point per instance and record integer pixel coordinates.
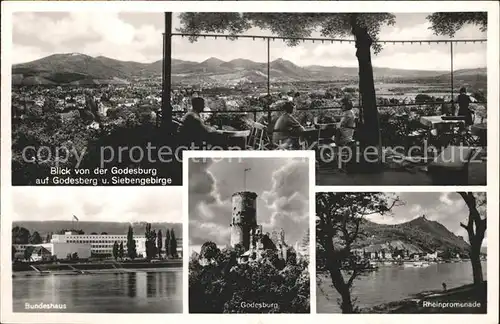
(463, 101)
(264, 120)
(287, 128)
(447, 109)
(194, 129)
(346, 124)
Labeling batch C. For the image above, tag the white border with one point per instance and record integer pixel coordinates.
(252, 6)
(309, 155)
(269, 6)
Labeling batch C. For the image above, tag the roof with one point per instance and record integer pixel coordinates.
(390, 246)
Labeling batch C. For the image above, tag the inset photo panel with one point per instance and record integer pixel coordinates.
(249, 231)
(389, 98)
(95, 251)
(402, 252)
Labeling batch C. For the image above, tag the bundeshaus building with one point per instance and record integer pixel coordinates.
(85, 245)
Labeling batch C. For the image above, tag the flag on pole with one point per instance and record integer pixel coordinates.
(76, 218)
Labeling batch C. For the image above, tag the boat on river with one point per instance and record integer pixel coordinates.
(417, 264)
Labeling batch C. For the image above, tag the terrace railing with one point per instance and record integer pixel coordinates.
(254, 112)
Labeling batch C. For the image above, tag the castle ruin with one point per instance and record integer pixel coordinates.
(246, 232)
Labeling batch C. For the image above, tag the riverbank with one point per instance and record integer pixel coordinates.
(90, 268)
(467, 299)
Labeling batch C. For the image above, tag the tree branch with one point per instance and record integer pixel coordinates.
(354, 274)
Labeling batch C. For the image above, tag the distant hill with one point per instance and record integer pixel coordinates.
(117, 228)
(464, 76)
(76, 68)
(419, 234)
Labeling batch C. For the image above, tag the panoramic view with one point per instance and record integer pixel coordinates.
(249, 235)
(382, 98)
(90, 250)
(410, 252)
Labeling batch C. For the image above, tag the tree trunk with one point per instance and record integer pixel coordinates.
(475, 259)
(166, 107)
(477, 270)
(370, 129)
(341, 287)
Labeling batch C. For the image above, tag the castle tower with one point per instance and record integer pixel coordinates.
(244, 217)
(282, 236)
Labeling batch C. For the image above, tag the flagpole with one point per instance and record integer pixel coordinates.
(245, 178)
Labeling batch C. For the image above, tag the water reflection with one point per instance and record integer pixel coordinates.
(131, 282)
(129, 292)
(395, 283)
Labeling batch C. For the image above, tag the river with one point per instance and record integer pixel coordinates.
(393, 283)
(151, 291)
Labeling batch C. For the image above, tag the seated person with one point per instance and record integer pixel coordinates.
(345, 134)
(287, 128)
(463, 106)
(445, 109)
(264, 120)
(193, 129)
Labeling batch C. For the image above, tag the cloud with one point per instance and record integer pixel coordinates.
(206, 209)
(202, 186)
(447, 208)
(282, 191)
(201, 232)
(118, 204)
(288, 199)
(92, 33)
(24, 53)
(138, 37)
(445, 198)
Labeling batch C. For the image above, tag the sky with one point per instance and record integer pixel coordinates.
(281, 184)
(138, 37)
(447, 208)
(107, 204)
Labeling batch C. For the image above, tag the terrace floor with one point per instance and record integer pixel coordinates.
(335, 177)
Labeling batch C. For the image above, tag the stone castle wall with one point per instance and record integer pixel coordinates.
(244, 217)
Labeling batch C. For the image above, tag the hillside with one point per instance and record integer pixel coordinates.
(466, 76)
(43, 228)
(76, 68)
(419, 234)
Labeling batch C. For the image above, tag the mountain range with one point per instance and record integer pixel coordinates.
(79, 69)
(417, 235)
(117, 228)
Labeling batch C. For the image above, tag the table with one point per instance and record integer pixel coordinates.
(309, 132)
(235, 138)
(446, 131)
(432, 121)
(309, 135)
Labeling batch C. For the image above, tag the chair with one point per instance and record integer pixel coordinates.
(177, 125)
(464, 136)
(178, 131)
(326, 134)
(327, 150)
(415, 138)
(445, 135)
(255, 140)
(236, 139)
